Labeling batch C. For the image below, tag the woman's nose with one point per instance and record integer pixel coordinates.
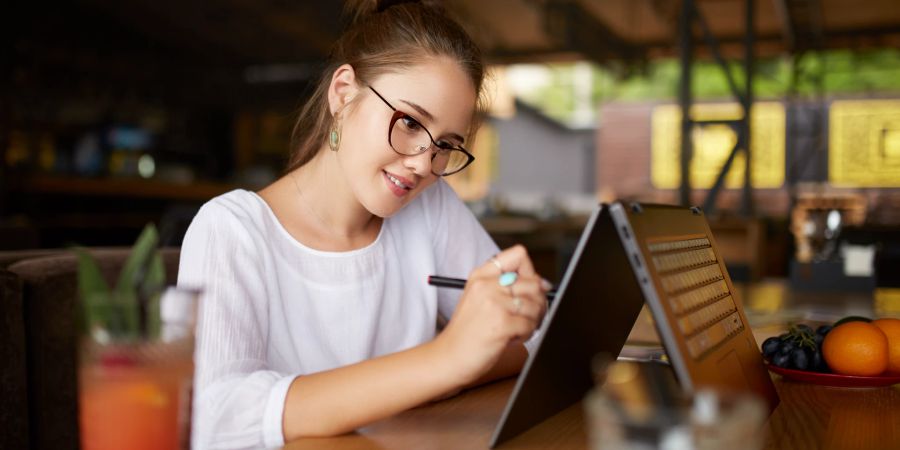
(420, 163)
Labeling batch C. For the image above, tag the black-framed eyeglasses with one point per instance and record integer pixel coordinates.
(407, 136)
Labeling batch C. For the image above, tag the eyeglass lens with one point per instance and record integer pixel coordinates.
(410, 138)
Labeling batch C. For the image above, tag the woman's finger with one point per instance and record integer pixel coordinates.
(493, 267)
(524, 307)
(515, 259)
(530, 286)
(527, 298)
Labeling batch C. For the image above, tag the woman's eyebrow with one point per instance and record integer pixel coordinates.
(427, 115)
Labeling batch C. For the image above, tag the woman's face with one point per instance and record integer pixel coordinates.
(438, 95)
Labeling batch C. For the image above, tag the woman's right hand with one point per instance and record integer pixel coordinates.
(490, 316)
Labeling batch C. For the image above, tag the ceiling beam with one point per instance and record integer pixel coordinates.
(801, 22)
(844, 38)
(573, 27)
(787, 27)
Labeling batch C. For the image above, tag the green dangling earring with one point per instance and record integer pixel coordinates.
(334, 139)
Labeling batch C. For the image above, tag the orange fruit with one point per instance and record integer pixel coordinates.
(856, 348)
(891, 329)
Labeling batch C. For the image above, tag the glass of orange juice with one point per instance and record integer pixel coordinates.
(135, 388)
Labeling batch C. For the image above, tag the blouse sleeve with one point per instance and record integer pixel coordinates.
(461, 243)
(238, 402)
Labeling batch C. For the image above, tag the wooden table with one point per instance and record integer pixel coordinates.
(809, 416)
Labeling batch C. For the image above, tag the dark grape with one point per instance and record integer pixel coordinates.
(823, 330)
(799, 359)
(770, 347)
(819, 338)
(804, 328)
(817, 362)
(781, 359)
(787, 346)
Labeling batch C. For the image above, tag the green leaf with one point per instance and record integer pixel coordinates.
(126, 311)
(90, 285)
(155, 278)
(151, 289)
(90, 279)
(136, 264)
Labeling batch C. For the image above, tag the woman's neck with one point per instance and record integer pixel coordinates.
(315, 204)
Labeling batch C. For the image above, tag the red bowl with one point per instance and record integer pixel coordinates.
(833, 379)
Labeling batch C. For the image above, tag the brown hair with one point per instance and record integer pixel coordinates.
(383, 37)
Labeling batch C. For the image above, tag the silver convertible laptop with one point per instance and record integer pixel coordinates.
(628, 255)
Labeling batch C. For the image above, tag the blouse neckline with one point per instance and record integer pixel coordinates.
(284, 232)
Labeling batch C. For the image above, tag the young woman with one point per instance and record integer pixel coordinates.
(317, 317)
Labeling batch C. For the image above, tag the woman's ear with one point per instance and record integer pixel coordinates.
(342, 89)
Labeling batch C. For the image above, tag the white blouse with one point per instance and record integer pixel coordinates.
(273, 309)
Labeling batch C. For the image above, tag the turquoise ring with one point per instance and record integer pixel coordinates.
(508, 278)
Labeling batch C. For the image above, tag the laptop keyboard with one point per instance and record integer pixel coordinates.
(697, 293)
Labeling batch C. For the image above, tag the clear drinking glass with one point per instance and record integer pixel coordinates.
(135, 390)
(632, 411)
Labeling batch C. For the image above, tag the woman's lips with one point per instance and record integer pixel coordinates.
(398, 185)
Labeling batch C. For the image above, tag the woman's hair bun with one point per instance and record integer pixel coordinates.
(385, 4)
(355, 11)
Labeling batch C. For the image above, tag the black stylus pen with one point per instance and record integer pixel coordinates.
(459, 283)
